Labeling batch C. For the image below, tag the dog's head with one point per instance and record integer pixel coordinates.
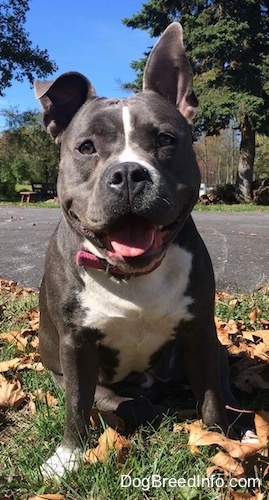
(128, 177)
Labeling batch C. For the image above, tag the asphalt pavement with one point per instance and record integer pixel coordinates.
(237, 242)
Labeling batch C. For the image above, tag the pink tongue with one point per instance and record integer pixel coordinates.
(131, 239)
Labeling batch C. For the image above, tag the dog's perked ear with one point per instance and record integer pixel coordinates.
(61, 99)
(168, 72)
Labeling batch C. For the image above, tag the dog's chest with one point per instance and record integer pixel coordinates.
(138, 316)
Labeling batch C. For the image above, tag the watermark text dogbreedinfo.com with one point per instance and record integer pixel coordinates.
(157, 481)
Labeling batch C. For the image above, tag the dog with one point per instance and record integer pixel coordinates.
(128, 289)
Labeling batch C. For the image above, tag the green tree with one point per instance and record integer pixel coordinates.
(26, 151)
(18, 57)
(262, 157)
(228, 44)
(217, 156)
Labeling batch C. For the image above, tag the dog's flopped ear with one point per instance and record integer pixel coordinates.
(168, 72)
(61, 99)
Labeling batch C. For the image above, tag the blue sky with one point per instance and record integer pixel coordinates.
(86, 36)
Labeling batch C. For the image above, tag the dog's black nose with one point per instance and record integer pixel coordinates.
(128, 178)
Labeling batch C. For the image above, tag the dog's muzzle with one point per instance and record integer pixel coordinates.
(132, 245)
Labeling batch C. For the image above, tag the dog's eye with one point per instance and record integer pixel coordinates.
(87, 148)
(165, 140)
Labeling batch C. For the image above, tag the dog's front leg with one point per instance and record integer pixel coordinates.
(79, 362)
(201, 355)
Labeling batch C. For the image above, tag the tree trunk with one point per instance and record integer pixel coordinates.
(246, 162)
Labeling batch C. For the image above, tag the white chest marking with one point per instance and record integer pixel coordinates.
(139, 315)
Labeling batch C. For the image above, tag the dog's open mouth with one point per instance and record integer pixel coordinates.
(133, 236)
(132, 243)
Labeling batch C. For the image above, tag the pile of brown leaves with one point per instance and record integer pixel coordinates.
(25, 341)
(249, 347)
(234, 459)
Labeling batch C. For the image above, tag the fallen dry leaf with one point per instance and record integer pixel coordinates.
(234, 326)
(254, 335)
(233, 302)
(228, 464)
(242, 348)
(254, 315)
(237, 495)
(222, 296)
(49, 496)
(30, 362)
(11, 394)
(31, 406)
(109, 440)
(222, 332)
(20, 339)
(25, 362)
(261, 351)
(262, 426)
(9, 364)
(33, 317)
(38, 367)
(111, 420)
(230, 460)
(214, 469)
(199, 436)
(46, 398)
(34, 324)
(35, 343)
(13, 288)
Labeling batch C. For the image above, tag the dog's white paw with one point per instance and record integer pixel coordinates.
(250, 437)
(64, 460)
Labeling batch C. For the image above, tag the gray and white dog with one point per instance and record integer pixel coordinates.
(127, 276)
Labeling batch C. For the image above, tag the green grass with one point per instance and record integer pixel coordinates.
(37, 204)
(161, 453)
(241, 307)
(23, 187)
(27, 440)
(242, 207)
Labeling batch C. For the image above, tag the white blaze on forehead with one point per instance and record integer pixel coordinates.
(127, 127)
(129, 153)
